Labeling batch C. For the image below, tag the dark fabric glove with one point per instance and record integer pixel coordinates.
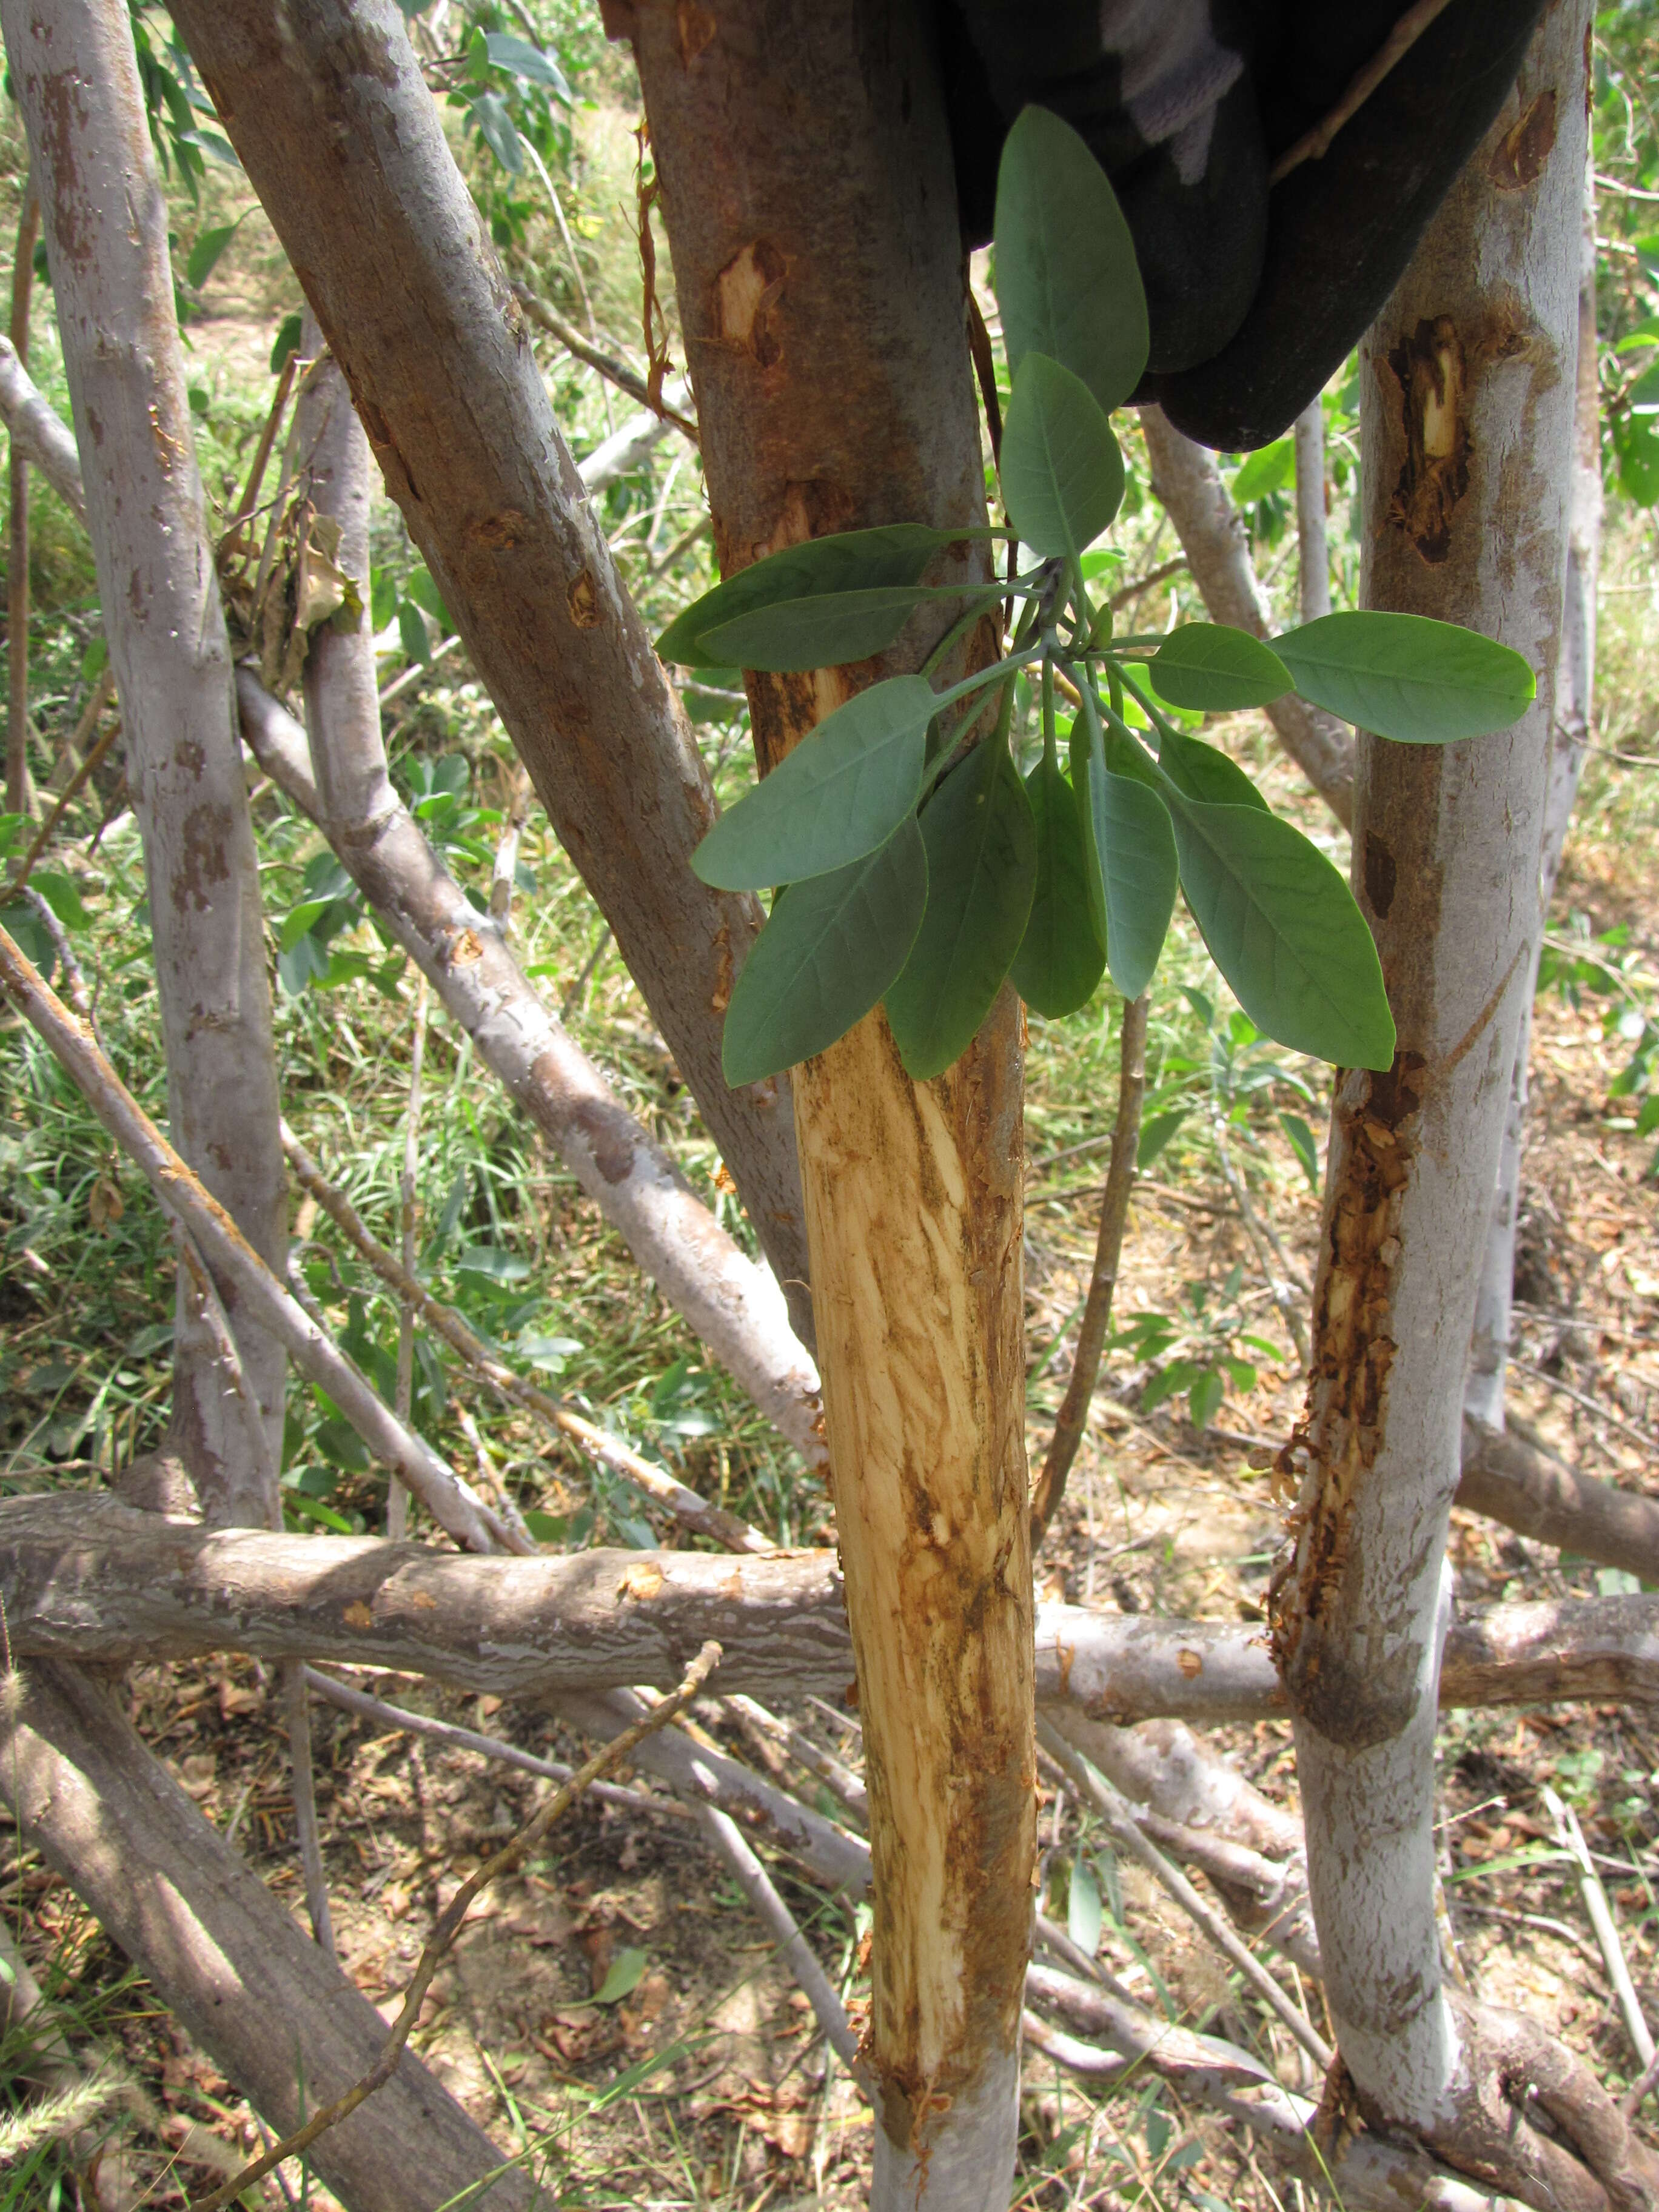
(1257, 292)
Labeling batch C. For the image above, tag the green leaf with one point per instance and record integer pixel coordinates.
(496, 127)
(1062, 474)
(287, 341)
(1066, 278)
(1204, 1398)
(382, 598)
(1134, 875)
(1060, 956)
(627, 1973)
(1082, 1912)
(832, 946)
(1300, 1139)
(411, 631)
(852, 561)
(1205, 772)
(1269, 470)
(1283, 929)
(1421, 683)
(424, 593)
(825, 632)
(1155, 1132)
(61, 894)
(520, 58)
(981, 873)
(1213, 669)
(843, 792)
(205, 254)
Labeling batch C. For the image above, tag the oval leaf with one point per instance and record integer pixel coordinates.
(981, 871)
(1062, 474)
(1134, 871)
(1283, 929)
(843, 792)
(1421, 683)
(1205, 772)
(852, 561)
(1212, 669)
(1066, 279)
(816, 633)
(1060, 957)
(832, 946)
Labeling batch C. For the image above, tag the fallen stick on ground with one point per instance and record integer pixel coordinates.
(447, 1927)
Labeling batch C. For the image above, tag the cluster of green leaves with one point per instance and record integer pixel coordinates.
(20, 915)
(919, 868)
(1612, 967)
(414, 603)
(1626, 144)
(1194, 1351)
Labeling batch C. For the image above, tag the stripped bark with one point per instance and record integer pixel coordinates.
(732, 1303)
(1467, 415)
(1187, 481)
(245, 1276)
(75, 75)
(809, 203)
(17, 530)
(1575, 690)
(267, 2006)
(94, 1578)
(324, 103)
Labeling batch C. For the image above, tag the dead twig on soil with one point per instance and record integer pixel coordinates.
(448, 1926)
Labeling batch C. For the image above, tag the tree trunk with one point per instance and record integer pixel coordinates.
(76, 77)
(811, 207)
(1575, 693)
(325, 102)
(1212, 532)
(1467, 417)
(265, 2003)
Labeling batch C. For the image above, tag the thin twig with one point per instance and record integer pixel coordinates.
(17, 539)
(1648, 1443)
(1571, 1836)
(250, 498)
(684, 1503)
(1114, 1810)
(1268, 1247)
(1073, 1415)
(397, 1497)
(1315, 144)
(371, 1708)
(796, 1744)
(608, 365)
(44, 836)
(303, 1781)
(573, 995)
(448, 1926)
(985, 368)
(1161, 575)
(759, 1887)
(102, 692)
(450, 1502)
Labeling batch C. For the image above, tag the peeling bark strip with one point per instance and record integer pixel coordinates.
(733, 1304)
(76, 75)
(270, 2009)
(90, 1577)
(325, 105)
(811, 207)
(1467, 416)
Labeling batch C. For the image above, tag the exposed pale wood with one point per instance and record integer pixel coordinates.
(809, 199)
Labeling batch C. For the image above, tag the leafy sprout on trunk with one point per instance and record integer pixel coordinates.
(915, 866)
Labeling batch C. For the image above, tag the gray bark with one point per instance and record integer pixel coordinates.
(1575, 694)
(1468, 416)
(265, 2004)
(325, 102)
(733, 1304)
(105, 222)
(93, 1578)
(1212, 532)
